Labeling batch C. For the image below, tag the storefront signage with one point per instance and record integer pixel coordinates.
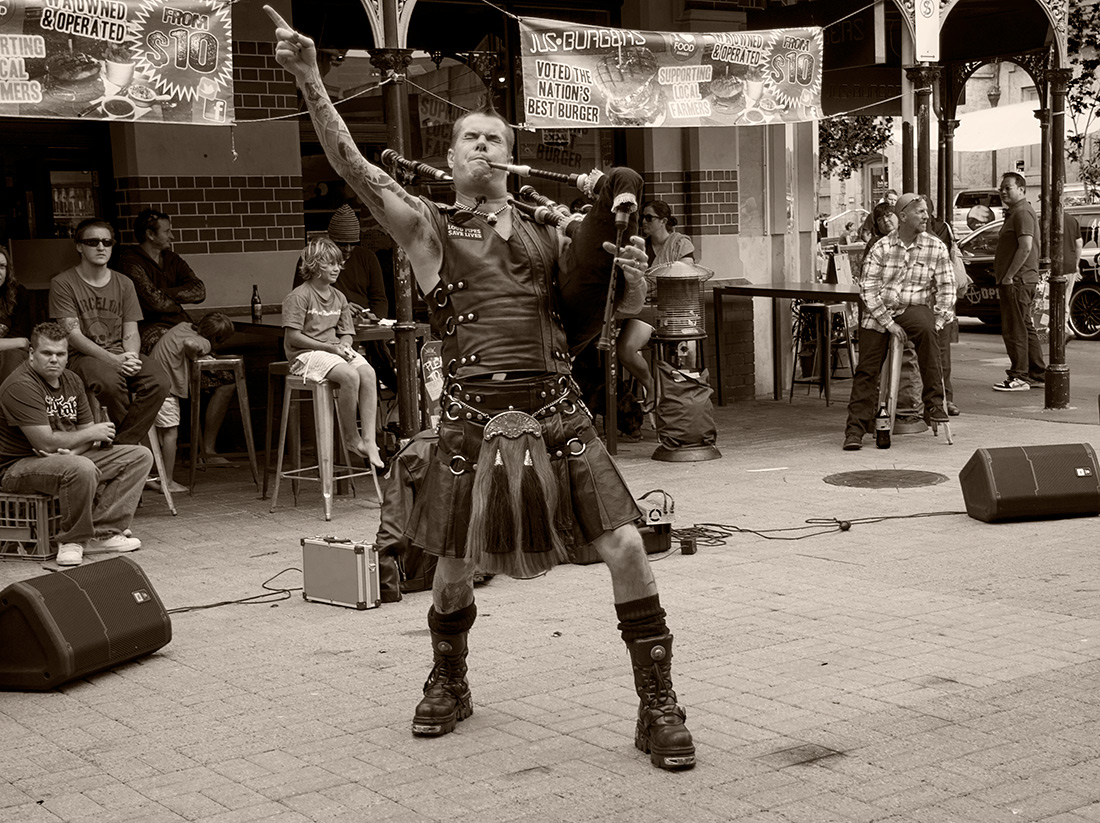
(148, 60)
(582, 76)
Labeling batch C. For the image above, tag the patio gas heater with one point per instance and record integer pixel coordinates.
(685, 413)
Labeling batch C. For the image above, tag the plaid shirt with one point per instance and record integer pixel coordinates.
(896, 277)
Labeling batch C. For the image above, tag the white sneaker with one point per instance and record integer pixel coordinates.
(1012, 384)
(114, 543)
(70, 554)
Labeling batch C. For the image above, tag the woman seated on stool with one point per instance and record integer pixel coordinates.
(14, 318)
(319, 334)
(662, 246)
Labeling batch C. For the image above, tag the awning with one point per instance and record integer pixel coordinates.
(1004, 127)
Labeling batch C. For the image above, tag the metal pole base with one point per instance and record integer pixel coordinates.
(687, 454)
(1056, 388)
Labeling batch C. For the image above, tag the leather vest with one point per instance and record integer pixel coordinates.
(495, 307)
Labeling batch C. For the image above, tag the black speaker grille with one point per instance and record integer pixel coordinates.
(77, 620)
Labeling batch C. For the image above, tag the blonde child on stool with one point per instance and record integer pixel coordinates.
(318, 344)
(179, 345)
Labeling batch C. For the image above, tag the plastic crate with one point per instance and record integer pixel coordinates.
(27, 524)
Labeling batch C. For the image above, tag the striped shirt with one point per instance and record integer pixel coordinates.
(896, 277)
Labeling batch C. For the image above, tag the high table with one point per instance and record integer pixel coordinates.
(271, 325)
(819, 292)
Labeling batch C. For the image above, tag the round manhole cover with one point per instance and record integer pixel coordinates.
(886, 479)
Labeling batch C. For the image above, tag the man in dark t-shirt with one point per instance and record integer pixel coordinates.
(1016, 268)
(50, 445)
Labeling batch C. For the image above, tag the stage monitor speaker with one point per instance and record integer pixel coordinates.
(69, 624)
(1025, 482)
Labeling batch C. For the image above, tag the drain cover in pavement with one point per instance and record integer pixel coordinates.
(885, 479)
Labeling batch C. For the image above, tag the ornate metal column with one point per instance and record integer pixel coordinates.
(389, 21)
(1043, 116)
(1057, 377)
(923, 76)
(947, 172)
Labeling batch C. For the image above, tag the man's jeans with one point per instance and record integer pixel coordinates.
(131, 402)
(98, 490)
(919, 324)
(1025, 354)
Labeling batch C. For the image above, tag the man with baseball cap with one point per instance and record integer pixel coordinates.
(908, 291)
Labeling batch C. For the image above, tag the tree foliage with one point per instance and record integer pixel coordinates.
(1083, 91)
(846, 143)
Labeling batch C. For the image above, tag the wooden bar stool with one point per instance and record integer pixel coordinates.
(234, 364)
(326, 419)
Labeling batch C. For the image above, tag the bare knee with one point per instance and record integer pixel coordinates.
(344, 376)
(621, 548)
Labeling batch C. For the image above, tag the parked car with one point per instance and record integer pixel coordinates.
(969, 198)
(980, 300)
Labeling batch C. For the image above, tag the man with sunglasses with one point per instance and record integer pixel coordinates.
(98, 309)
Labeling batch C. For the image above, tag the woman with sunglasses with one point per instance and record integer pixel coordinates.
(663, 245)
(14, 318)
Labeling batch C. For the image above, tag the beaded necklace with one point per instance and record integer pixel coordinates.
(491, 217)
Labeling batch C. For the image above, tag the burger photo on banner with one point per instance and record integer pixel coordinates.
(586, 76)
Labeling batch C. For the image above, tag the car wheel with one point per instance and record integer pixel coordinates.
(1084, 312)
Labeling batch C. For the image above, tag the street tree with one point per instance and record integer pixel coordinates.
(844, 144)
(1083, 91)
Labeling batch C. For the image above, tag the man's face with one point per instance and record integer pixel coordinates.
(915, 216)
(1010, 192)
(346, 249)
(480, 140)
(162, 238)
(95, 246)
(48, 358)
(891, 198)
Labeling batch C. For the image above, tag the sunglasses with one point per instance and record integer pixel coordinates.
(92, 242)
(648, 217)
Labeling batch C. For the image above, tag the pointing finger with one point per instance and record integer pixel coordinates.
(277, 19)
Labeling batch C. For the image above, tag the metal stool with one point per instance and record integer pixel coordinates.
(822, 316)
(234, 364)
(325, 413)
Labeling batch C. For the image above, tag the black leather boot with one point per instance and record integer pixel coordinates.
(660, 732)
(389, 577)
(446, 692)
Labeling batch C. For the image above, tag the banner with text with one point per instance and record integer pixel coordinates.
(575, 75)
(167, 61)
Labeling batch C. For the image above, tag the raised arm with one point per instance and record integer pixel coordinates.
(404, 217)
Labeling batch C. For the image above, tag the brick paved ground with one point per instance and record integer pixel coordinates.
(918, 669)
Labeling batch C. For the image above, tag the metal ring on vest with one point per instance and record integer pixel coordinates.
(570, 442)
(451, 465)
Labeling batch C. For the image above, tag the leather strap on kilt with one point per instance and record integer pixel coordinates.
(593, 496)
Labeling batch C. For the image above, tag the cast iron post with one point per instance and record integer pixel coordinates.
(1057, 377)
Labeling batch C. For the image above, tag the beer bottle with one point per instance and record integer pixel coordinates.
(257, 305)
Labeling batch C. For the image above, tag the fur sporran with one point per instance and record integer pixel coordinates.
(515, 496)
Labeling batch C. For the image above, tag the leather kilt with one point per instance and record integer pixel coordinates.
(593, 497)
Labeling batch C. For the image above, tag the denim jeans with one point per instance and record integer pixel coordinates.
(98, 490)
(919, 324)
(1025, 354)
(131, 402)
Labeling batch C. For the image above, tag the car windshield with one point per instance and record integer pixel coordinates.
(969, 199)
(983, 241)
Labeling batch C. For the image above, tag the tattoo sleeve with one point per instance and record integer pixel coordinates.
(403, 216)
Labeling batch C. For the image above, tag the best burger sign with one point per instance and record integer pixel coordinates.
(576, 75)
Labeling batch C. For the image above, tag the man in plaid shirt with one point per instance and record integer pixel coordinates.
(908, 291)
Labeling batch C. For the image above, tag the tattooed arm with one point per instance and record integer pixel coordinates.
(404, 217)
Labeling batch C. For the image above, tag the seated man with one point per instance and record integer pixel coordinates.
(908, 291)
(99, 310)
(49, 444)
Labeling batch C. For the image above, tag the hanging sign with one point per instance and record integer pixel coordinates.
(149, 60)
(926, 26)
(577, 76)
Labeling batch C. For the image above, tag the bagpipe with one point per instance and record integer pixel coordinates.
(588, 276)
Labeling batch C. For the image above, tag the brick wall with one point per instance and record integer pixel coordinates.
(261, 87)
(230, 213)
(703, 200)
(212, 215)
(738, 365)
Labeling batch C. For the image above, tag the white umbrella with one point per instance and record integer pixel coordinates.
(1004, 127)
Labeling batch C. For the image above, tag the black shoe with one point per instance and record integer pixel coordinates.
(853, 442)
(937, 415)
(952, 409)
